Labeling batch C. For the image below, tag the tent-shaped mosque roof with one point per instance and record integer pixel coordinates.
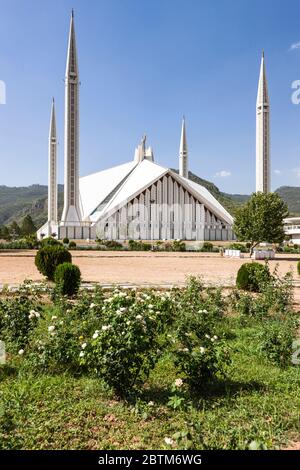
(104, 192)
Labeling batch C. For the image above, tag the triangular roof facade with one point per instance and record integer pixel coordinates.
(105, 192)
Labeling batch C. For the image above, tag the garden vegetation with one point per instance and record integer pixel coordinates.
(193, 367)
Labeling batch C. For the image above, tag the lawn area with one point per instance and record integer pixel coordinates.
(257, 402)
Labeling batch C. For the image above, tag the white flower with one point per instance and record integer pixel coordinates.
(151, 403)
(150, 306)
(212, 340)
(178, 383)
(84, 345)
(37, 315)
(31, 315)
(61, 322)
(54, 317)
(122, 309)
(169, 441)
(21, 352)
(32, 312)
(139, 317)
(105, 327)
(202, 350)
(207, 336)
(92, 305)
(215, 337)
(51, 328)
(81, 354)
(95, 335)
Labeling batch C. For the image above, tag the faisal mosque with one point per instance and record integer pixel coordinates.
(139, 199)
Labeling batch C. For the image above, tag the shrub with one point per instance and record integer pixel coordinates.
(67, 278)
(207, 247)
(54, 347)
(178, 245)
(18, 318)
(238, 246)
(22, 244)
(125, 346)
(49, 257)
(298, 267)
(200, 357)
(198, 351)
(72, 245)
(113, 245)
(139, 245)
(252, 276)
(49, 241)
(276, 341)
(66, 241)
(275, 299)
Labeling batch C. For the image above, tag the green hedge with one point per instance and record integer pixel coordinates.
(49, 257)
(252, 276)
(67, 278)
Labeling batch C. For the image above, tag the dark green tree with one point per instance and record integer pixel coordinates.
(27, 226)
(14, 230)
(5, 233)
(261, 219)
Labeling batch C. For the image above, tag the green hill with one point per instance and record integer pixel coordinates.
(16, 202)
(291, 195)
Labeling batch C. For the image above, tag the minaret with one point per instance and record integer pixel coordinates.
(262, 132)
(52, 170)
(71, 212)
(183, 153)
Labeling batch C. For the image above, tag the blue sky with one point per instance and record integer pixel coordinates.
(143, 64)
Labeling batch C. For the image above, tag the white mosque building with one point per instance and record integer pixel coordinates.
(138, 200)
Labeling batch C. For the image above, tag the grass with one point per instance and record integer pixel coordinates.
(259, 403)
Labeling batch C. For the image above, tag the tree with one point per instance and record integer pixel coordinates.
(27, 226)
(261, 220)
(5, 233)
(14, 230)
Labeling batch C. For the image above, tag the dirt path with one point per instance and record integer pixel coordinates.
(139, 268)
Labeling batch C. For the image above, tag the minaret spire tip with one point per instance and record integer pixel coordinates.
(183, 152)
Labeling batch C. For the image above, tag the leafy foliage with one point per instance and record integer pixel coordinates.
(18, 318)
(125, 346)
(252, 276)
(199, 353)
(261, 219)
(49, 257)
(28, 227)
(67, 278)
(276, 339)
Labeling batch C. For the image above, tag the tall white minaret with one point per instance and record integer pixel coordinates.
(262, 132)
(183, 153)
(52, 169)
(71, 212)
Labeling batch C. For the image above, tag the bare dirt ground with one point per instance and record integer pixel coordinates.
(140, 268)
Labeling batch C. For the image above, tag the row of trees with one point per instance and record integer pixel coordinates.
(15, 231)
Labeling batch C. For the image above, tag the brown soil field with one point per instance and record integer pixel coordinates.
(140, 268)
